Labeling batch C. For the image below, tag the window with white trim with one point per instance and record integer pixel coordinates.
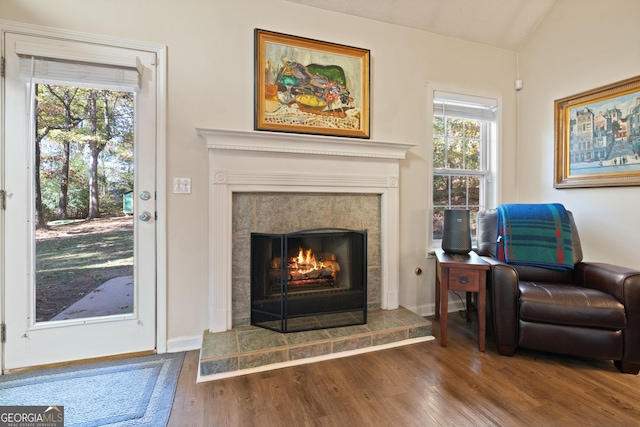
(464, 132)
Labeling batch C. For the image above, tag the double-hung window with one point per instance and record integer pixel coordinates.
(464, 133)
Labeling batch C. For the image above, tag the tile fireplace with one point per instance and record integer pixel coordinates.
(259, 163)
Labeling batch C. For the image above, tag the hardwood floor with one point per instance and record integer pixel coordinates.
(417, 385)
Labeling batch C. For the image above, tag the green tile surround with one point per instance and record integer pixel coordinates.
(246, 349)
(288, 212)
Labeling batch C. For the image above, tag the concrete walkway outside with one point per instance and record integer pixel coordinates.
(114, 296)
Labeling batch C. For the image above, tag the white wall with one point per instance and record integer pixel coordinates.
(210, 84)
(580, 45)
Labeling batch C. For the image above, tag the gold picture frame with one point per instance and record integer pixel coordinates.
(309, 86)
(597, 137)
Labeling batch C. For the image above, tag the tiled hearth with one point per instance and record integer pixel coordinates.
(249, 349)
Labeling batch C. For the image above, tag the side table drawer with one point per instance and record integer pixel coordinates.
(461, 279)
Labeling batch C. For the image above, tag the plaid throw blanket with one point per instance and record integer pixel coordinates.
(535, 234)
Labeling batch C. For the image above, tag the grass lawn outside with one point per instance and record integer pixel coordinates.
(74, 258)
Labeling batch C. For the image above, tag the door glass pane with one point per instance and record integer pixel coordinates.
(84, 175)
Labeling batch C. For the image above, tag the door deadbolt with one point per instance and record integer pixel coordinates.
(145, 195)
(144, 216)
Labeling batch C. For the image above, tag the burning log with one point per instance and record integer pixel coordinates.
(324, 272)
(311, 282)
(306, 268)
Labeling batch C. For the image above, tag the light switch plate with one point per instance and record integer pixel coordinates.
(181, 185)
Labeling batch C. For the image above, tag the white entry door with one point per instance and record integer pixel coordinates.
(31, 339)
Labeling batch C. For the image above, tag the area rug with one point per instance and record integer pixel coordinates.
(127, 392)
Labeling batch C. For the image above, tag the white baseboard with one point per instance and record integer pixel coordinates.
(430, 309)
(175, 345)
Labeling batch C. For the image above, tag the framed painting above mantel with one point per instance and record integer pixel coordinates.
(309, 86)
(597, 137)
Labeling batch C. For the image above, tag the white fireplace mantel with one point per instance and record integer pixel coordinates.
(248, 161)
(218, 139)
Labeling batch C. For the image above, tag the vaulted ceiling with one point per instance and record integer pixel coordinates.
(501, 23)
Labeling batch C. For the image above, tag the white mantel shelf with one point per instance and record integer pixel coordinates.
(279, 142)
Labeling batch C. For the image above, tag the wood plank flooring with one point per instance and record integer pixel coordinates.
(417, 385)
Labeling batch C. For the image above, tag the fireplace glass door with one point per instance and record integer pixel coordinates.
(311, 279)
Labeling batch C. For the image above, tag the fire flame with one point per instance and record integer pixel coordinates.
(305, 261)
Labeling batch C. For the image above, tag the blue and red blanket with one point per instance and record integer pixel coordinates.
(535, 234)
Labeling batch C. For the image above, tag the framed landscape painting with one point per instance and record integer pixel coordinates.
(310, 86)
(597, 137)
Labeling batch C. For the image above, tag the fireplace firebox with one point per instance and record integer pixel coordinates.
(309, 279)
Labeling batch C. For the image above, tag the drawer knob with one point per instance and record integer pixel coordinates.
(463, 279)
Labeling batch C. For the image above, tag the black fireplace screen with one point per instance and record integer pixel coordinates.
(311, 279)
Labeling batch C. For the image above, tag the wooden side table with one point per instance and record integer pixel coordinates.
(461, 273)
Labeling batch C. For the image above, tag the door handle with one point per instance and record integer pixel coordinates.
(144, 216)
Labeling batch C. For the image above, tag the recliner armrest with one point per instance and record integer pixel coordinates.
(624, 284)
(503, 289)
(620, 282)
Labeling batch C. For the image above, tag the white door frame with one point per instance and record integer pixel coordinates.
(161, 185)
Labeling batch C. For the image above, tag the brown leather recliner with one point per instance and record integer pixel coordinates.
(592, 311)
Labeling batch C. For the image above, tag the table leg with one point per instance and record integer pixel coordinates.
(469, 304)
(482, 311)
(438, 285)
(444, 304)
